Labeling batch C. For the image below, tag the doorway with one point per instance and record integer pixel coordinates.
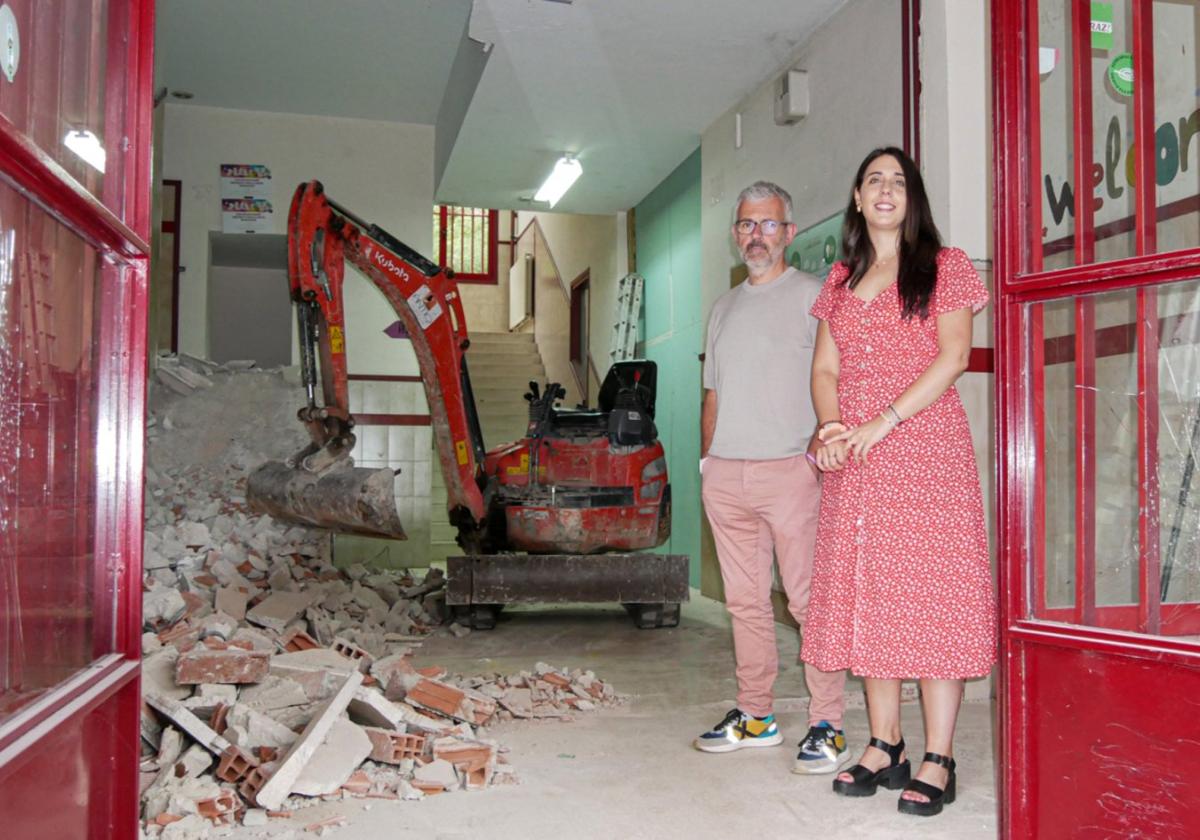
(249, 305)
(1098, 414)
(580, 309)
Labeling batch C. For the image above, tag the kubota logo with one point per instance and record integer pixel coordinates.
(386, 262)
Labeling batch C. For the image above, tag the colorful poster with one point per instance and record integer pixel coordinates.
(245, 180)
(247, 215)
(246, 198)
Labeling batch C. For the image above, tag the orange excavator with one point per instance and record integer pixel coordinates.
(565, 514)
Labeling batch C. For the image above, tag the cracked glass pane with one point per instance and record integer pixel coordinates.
(49, 284)
(1087, 493)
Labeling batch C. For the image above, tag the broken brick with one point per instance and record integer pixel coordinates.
(220, 809)
(353, 652)
(391, 747)
(217, 719)
(234, 665)
(235, 764)
(254, 781)
(436, 696)
(475, 760)
(296, 639)
(358, 784)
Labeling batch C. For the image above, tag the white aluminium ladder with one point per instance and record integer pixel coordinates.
(629, 307)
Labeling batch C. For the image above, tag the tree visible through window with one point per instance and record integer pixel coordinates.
(464, 239)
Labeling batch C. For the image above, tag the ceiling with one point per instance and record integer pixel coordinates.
(627, 86)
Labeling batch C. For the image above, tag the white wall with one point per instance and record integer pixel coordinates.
(380, 171)
(853, 65)
(578, 243)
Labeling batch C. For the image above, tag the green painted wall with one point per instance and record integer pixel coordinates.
(672, 332)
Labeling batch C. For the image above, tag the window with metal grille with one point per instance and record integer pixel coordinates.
(464, 239)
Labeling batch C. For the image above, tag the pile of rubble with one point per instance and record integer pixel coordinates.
(271, 678)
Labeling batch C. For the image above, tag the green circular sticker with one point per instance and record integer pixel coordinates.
(1120, 74)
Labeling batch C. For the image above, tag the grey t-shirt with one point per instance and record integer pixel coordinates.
(759, 361)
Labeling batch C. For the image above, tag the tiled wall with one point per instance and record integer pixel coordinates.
(407, 448)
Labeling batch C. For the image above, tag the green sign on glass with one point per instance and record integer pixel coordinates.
(1102, 26)
(815, 249)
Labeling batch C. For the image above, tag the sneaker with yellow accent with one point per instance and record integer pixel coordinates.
(738, 729)
(823, 750)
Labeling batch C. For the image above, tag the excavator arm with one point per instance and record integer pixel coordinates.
(319, 485)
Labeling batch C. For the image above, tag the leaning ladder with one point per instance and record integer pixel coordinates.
(629, 306)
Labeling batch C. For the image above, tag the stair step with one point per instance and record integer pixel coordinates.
(513, 337)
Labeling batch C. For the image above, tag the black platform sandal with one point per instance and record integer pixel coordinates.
(895, 775)
(938, 797)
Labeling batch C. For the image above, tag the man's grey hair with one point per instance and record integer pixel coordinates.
(761, 191)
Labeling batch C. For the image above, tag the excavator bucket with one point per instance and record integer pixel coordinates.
(348, 499)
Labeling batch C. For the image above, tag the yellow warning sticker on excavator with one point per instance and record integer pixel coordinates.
(337, 342)
(460, 449)
(522, 468)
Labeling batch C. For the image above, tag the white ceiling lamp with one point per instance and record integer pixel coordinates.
(566, 171)
(88, 146)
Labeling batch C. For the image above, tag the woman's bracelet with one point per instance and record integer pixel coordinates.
(891, 416)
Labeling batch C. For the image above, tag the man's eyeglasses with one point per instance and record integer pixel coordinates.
(768, 227)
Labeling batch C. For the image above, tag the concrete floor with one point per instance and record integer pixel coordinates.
(630, 772)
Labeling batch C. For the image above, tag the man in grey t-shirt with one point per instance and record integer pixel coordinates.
(760, 491)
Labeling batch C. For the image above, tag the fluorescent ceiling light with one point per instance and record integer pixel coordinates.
(87, 145)
(566, 171)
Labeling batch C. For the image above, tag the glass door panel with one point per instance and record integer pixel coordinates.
(1115, 539)
(50, 283)
(1085, 107)
(63, 86)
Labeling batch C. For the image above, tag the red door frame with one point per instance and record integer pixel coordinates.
(70, 758)
(1108, 677)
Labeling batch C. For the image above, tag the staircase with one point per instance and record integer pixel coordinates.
(501, 365)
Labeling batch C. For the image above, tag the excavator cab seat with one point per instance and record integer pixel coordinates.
(625, 410)
(627, 397)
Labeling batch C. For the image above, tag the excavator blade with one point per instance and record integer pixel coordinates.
(346, 499)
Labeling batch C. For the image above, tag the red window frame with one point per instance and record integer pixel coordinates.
(445, 213)
(1046, 665)
(83, 732)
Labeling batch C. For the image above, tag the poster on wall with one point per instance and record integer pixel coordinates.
(816, 248)
(246, 215)
(246, 194)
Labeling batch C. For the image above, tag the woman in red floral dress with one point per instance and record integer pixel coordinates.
(901, 583)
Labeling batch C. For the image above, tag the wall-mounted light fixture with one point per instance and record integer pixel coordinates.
(566, 171)
(88, 146)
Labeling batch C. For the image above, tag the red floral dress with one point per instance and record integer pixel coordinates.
(901, 585)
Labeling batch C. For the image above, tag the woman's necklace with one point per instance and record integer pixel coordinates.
(881, 261)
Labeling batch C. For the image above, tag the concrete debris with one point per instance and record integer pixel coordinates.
(269, 675)
(337, 757)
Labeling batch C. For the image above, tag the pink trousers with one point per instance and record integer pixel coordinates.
(760, 511)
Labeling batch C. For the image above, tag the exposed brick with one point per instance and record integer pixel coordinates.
(436, 696)
(359, 783)
(352, 651)
(217, 719)
(296, 639)
(234, 665)
(254, 781)
(221, 809)
(175, 632)
(475, 760)
(390, 747)
(556, 679)
(235, 764)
